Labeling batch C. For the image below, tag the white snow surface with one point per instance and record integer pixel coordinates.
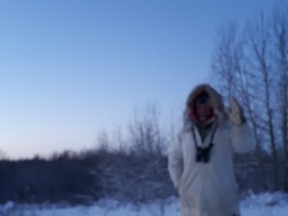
(265, 204)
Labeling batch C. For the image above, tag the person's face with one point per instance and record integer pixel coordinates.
(203, 111)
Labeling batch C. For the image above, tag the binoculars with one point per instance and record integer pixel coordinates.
(203, 154)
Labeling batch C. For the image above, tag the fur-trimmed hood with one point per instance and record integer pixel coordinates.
(215, 99)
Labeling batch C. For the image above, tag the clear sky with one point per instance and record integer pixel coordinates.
(71, 69)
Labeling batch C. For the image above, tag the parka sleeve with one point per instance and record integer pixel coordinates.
(243, 139)
(175, 161)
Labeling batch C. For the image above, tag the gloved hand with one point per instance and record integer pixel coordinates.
(235, 112)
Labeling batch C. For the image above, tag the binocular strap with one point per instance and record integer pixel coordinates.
(203, 153)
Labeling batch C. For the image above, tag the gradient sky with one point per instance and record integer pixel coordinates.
(71, 69)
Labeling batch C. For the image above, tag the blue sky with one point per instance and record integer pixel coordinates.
(71, 69)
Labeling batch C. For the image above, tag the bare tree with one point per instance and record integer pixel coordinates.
(252, 64)
(259, 44)
(223, 63)
(280, 36)
(145, 134)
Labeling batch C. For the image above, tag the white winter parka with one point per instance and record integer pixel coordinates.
(208, 189)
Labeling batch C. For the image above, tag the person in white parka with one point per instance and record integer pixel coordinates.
(200, 160)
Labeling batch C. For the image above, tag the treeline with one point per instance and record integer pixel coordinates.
(62, 177)
(86, 177)
(130, 170)
(133, 169)
(83, 178)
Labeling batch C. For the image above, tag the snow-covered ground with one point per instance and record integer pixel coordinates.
(255, 205)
